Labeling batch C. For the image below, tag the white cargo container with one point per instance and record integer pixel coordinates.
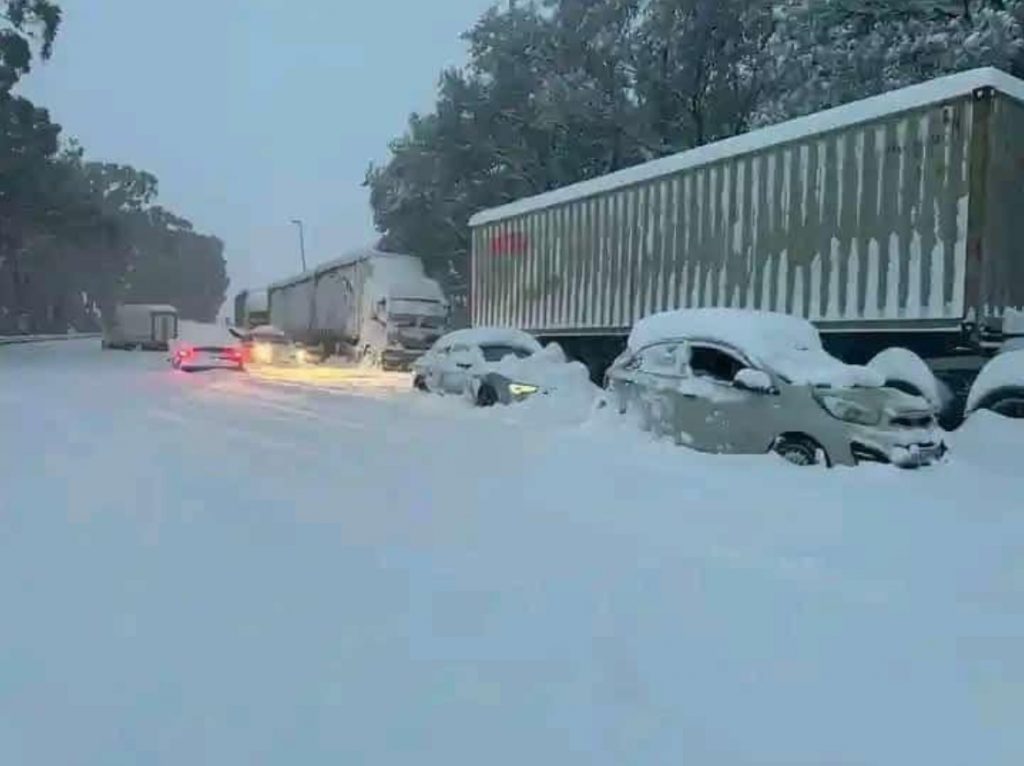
(369, 304)
(890, 221)
(140, 325)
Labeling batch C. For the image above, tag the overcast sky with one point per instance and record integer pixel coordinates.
(252, 112)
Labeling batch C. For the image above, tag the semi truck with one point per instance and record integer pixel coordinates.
(373, 306)
(251, 309)
(892, 221)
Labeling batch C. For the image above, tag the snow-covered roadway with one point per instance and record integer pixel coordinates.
(230, 569)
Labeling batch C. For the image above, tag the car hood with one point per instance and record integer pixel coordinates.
(887, 400)
(548, 369)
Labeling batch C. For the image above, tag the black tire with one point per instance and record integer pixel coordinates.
(486, 396)
(800, 450)
(419, 383)
(1007, 401)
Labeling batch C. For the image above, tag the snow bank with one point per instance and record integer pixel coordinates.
(1002, 370)
(989, 442)
(1013, 322)
(901, 364)
(787, 345)
(246, 573)
(1013, 344)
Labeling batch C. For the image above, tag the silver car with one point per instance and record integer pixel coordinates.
(725, 392)
(468, 363)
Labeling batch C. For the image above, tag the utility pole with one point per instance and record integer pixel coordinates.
(302, 243)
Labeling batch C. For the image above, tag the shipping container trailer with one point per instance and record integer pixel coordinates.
(896, 220)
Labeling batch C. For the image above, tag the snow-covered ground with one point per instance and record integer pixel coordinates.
(232, 569)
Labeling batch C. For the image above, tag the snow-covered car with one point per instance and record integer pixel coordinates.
(190, 358)
(999, 386)
(488, 364)
(737, 381)
(268, 345)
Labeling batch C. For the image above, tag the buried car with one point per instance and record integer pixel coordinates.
(738, 381)
(485, 364)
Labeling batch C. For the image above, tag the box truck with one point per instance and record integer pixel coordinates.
(893, 221)
(374, 306)
(140, 325)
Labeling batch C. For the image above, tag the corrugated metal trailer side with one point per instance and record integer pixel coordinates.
(871, 217)
(291, 306)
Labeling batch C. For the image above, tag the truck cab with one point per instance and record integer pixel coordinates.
(408, 326)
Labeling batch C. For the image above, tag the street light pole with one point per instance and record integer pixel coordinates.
(302, 243)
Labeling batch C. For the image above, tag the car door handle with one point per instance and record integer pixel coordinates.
(463, 365)
(689, 396)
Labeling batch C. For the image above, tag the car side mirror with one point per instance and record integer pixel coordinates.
(756, 381)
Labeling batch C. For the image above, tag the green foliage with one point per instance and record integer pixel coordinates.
(76, 236)
(564, 90)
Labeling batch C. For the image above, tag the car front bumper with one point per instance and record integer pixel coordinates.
(905, 450)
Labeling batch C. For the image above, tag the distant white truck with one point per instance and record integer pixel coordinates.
(380, 308)
(147, 326)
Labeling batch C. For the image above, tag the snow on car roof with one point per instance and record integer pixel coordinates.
(786, 344)
(902, 100)
(742, 328)
(491, 336)
(1005, 369)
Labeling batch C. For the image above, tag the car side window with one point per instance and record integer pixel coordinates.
(663, 358)
(714, 363)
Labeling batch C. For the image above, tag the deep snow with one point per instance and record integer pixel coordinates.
(227, 569)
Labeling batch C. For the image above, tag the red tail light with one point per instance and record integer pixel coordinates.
(186, 352)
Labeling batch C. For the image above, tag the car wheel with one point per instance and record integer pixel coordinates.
(419, 383)
(800, 450)
(486, 396)
(1008, 402)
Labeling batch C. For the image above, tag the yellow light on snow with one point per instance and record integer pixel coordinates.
(301, 356)
(262, 352)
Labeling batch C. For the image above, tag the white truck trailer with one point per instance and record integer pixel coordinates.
(375, 306)
(140, 325)
(893, 221)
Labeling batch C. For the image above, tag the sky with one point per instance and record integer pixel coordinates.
(252, 113)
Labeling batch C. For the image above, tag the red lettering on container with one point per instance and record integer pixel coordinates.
(512, 243)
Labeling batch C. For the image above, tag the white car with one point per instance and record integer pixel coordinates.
(481, 363)
(188, 358)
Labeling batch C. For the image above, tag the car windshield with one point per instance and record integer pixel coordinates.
(497, 353)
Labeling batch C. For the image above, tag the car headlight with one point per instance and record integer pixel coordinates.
(262, 352)
(522, 389)
(300, 355)
(849, 411)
